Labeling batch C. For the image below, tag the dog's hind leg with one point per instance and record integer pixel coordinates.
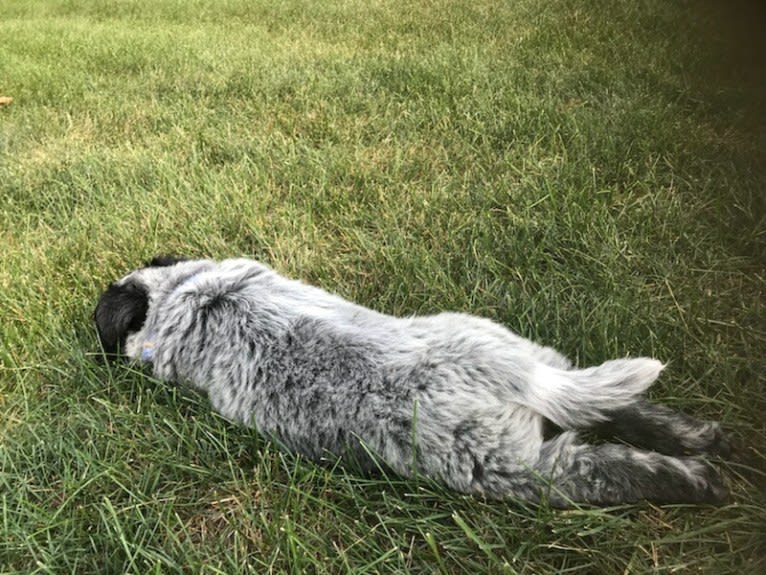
(568, 473)
(665, 430)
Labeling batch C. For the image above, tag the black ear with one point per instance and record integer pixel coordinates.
(165, 260)
(121, 310)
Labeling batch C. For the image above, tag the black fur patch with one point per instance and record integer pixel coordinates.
(161, 261)
(121, 310)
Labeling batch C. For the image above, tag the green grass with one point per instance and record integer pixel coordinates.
(590, 174)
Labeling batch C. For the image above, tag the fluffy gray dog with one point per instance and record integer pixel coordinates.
(452, 396)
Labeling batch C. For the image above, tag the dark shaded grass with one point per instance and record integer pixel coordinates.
(590, 175)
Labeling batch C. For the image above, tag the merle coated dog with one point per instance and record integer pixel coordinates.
(452, 396)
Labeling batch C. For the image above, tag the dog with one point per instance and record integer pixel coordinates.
(454, 397)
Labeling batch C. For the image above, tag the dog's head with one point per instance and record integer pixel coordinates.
(123, 308)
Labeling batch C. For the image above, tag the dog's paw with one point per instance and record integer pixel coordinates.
(710, 440)
(709, 484)
(720, 444)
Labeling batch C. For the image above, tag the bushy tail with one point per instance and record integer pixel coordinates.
(580, 397)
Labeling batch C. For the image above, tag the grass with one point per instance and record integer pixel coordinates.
(590, 174)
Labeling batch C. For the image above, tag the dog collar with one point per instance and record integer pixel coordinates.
(147, 349)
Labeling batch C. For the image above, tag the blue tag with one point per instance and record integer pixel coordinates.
(147, 353)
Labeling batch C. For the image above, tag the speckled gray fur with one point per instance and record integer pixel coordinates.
(453, 397)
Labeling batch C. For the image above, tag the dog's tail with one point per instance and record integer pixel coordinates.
(581, 397)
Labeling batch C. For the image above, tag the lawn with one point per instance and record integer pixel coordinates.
(589, 174)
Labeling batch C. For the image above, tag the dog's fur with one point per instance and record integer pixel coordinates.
(452, 396)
